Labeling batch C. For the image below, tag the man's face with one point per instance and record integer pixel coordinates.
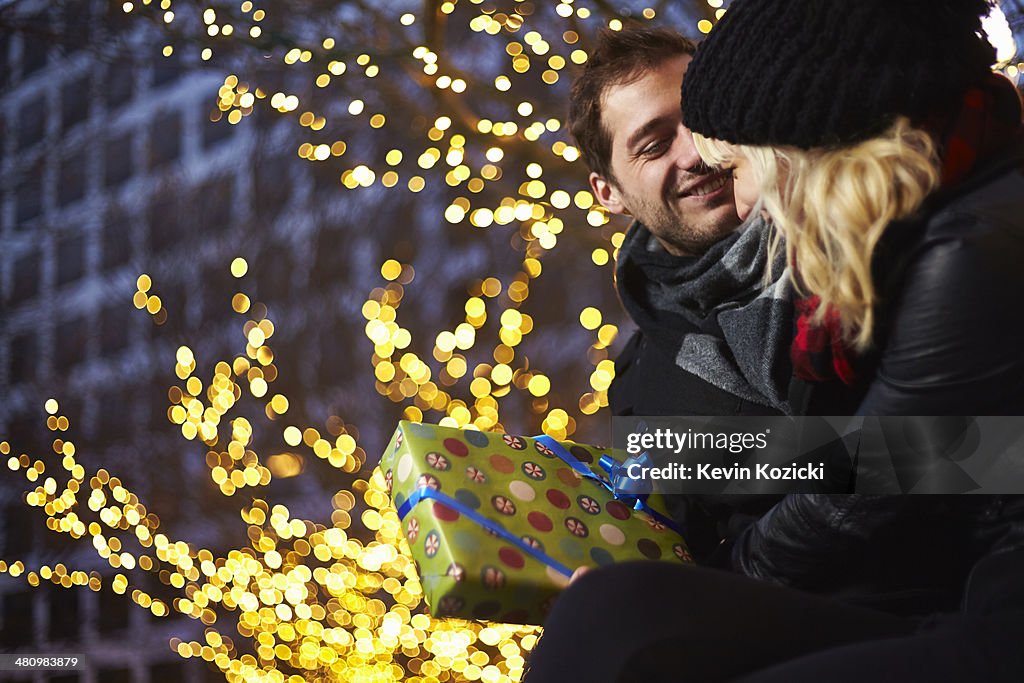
(659, 177)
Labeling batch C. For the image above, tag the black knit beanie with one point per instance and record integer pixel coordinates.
(815, 73)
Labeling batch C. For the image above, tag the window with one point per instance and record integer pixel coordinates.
(75, 100)
(26, 278)
(65, 613)
(32, 122)
(70, 344)
(70, 260)
(165, 143)
(19, 625)
(118, 160)
(24, 357)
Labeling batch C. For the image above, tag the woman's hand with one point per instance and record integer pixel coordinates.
(580, 571)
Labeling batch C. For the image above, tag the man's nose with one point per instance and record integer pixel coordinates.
(687, 158)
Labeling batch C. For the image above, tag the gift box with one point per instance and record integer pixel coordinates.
(497, 523)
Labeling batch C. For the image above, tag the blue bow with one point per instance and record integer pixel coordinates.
(619, 484)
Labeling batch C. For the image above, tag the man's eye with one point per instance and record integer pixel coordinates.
(655, 148)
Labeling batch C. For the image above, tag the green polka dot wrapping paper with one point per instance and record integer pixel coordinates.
(521, 485)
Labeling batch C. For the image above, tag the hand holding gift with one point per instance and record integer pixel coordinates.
(580, 571)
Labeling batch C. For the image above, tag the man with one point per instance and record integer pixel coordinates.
(710, 341)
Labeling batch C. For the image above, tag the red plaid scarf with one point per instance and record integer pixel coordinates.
(989, 117)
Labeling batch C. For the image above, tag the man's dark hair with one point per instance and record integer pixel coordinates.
(620, 58)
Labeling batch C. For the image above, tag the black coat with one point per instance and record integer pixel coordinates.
(648, 382)
(951, 343)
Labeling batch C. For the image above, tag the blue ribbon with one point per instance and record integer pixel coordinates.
(426, 492)
(636, 501)
(615, 470)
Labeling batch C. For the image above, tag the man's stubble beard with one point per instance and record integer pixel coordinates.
(670, 228)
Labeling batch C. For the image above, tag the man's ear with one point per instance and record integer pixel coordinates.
(607, 194)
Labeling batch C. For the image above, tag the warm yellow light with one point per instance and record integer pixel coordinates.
(391, 269)
(539, 385)
(239, 267)
(590, 318)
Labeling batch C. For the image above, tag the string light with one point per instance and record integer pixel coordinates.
(310, 597)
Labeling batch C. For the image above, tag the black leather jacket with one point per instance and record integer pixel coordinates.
(951, 342)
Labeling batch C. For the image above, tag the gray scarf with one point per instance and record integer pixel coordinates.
(712, 313)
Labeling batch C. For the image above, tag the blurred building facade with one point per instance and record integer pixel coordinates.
(106, 167)
(110, 166)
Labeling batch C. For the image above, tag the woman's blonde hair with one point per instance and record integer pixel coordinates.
(831, 205)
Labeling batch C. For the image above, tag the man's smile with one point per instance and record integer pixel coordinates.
(706, 187)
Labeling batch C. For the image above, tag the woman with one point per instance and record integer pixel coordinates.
(888, 155)
(890, 159)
